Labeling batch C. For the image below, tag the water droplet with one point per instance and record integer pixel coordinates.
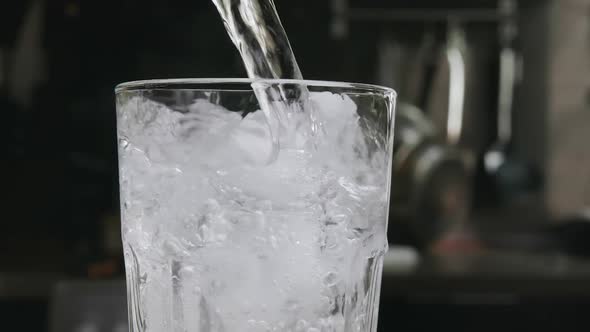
(211, 205)
(265, 205)
(292, 305)
(123, 143)
(301, 325)
(330, 279)
(217, 286)
(197, 291)
(274, 242)
(188, 269)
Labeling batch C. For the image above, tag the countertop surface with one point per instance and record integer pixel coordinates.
(488, 272)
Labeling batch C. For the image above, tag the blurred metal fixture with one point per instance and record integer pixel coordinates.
(511, 176)
(431, 179)
(431, 175)
(456, 60)
(496, 156)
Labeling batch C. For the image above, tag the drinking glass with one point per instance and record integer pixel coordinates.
(240, 219)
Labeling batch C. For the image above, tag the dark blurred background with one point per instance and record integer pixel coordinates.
(489, 219)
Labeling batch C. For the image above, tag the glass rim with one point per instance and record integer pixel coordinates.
(154, 84)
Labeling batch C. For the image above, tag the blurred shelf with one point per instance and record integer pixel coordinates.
(424, 15)
(501, 275)
(25, 286)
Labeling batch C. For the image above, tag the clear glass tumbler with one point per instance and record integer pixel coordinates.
(236, 219)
